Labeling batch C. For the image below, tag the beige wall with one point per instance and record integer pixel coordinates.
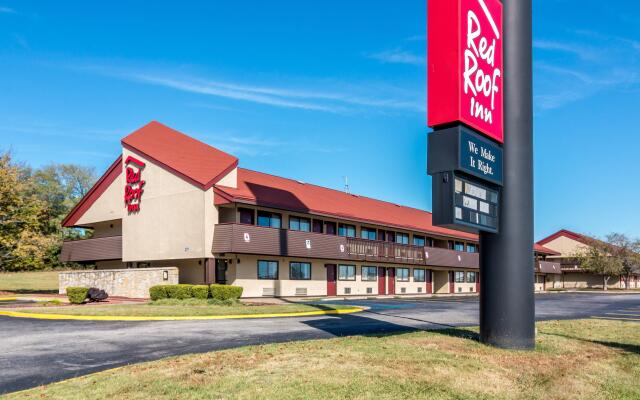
(175, 220)
(567, 247)
(229, 180)
(133, 283)
(107, 228)
(245, 274)
(554, 281)
(109, 206)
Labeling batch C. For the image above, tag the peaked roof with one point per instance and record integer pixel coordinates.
(273, 191)
(193, 160)
(567, 233)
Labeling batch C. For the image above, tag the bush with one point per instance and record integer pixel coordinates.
(77, 295)
(180, 292)
(200, 291)
(158, 292)
(226, 292)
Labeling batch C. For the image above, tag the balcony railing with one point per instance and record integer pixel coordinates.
(548, 267)
(94, 249)
(251, 239)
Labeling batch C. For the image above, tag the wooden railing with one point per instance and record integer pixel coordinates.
(251, 239)
(375, 250)
(94, 249)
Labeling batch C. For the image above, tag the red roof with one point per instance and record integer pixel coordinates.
(567, 233)
(538, 248)
(273, 191)
(193, 160)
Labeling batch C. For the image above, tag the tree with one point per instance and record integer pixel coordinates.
(32, 206)
(23, 217)
(616, 255)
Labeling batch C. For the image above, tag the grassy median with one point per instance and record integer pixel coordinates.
(29, 282)
(588, 359)
(179, 308)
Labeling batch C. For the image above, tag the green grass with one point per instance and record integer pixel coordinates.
(29, 282)
(588, 359)
(191, 307)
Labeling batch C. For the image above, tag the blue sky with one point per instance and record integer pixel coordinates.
(317, 91)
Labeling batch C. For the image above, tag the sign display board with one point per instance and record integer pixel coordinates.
(465, 74)
(464, 203)
(459, 148)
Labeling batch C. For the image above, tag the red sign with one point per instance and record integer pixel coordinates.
(465, 76)
(133, 187)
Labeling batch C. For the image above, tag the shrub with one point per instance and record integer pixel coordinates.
(180, 291)
(158, 292)
(77, 295)
(226, 292)
(200, 291)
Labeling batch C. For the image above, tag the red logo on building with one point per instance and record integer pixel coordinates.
(465, 75)
(133, 187)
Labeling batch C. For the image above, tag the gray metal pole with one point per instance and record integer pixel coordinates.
(507, 304)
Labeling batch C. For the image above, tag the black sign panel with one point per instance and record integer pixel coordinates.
(460, 149)
(465, 203)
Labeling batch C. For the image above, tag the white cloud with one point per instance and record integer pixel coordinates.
(335, 97)
(398, 56)
(582, 52)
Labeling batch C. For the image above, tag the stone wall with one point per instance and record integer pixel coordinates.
(134, 282)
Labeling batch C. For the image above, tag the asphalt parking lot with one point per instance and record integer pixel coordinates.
(35, 352)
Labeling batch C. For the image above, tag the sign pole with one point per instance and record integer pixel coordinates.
(507, 304)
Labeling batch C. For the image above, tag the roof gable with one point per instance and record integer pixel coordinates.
(191, 159)
(94, 193)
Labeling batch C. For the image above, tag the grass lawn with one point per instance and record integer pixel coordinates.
(588, 359)
(190, 308)
(29, 282)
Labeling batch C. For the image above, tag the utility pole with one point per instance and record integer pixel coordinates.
(507, 303)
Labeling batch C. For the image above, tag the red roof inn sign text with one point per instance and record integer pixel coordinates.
(133, 186)
(465, 76)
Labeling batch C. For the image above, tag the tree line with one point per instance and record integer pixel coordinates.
(33, 203)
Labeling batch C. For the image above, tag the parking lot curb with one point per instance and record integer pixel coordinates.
(17, 314)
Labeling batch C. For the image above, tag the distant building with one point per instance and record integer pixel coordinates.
(567, 245)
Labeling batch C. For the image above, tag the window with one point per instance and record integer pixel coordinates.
(246, 216)
(299, 270)
(347, 273)
(458, 246)
(267, 269)
(402, 274)
(300, 224)
(418, 275)
(402, 238)
(368, 233)
(381, 235)
(418, 240)
(459, 277)
(329, 228)
(471, 277)
(471, 248)
(369, 273)
(347, 230)
(317, 226)
(391, 236)
(272, 220)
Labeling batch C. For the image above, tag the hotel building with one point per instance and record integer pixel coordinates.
(170, 200)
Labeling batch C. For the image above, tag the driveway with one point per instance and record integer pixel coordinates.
(35, 352)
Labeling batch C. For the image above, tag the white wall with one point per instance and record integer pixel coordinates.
(109, 206)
